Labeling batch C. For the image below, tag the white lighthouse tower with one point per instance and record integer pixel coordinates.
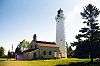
(60, 35)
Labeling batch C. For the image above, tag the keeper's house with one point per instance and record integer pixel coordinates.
(39, 50)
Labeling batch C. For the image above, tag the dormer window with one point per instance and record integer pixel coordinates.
(35, 46)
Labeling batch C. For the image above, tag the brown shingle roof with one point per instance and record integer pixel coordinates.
(48, 45)
(44, 42)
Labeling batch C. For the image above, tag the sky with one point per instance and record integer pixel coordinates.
(21, 19)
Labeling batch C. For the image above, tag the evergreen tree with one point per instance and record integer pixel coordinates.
(90, 33)
(69, 51)
(1, 51)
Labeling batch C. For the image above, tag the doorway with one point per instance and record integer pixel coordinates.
(34, 55)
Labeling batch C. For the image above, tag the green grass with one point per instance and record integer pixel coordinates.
(51, 62)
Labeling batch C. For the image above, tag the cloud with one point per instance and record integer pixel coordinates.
(72, 23)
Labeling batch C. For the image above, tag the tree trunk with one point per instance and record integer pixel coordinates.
(91, 57)
(92, 60)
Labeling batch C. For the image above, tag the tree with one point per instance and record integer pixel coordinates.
(69, 51)
(23, 45)
(1, 51)
(91, 33)
(11, 54)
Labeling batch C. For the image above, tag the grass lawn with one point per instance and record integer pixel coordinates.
(51, 62)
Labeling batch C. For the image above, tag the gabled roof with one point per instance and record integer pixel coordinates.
(45, 42)
(48, 45)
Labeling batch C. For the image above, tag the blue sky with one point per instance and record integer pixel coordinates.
(20, 19)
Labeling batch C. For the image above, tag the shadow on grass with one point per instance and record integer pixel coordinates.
(81, 64)
(7, 60)
(2, 60)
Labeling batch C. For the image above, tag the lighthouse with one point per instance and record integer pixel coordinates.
(60, 35)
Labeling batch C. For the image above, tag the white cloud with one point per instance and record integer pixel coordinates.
(73, 23)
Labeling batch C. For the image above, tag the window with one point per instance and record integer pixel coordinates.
(44, 52)
(50, 53)
(35, 46)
